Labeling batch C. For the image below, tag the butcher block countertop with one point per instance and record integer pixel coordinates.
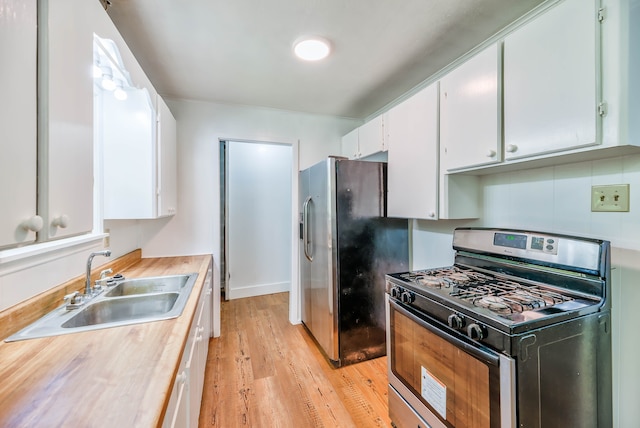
(114, 377)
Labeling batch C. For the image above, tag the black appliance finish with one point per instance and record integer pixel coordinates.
(538, 304)
(348, 245)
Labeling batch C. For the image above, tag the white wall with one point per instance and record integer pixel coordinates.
(259, 219)
(557, 199)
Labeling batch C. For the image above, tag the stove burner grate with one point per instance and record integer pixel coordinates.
(498, 295)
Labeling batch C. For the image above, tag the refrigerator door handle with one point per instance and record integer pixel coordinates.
(306, 241)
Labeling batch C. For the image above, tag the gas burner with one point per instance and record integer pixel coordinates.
(507, 297)
(493, 303)
(443, 277)
(429, 281)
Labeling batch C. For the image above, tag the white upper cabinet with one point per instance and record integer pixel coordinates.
(365, 140)
(470, 113)
(167, 166)
(66, 117)
(138, 139)
(371, 137)
(139, 157)
(550, 82)
(129, 156)
(412, 172)
(350, 147)
(18, 122)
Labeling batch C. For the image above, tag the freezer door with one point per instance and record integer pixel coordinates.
(316, 259)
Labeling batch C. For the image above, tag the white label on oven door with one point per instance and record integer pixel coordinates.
(435, 392)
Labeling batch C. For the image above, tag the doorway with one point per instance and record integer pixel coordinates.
(256, 236)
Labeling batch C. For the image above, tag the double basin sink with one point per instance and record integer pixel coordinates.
(130, 301)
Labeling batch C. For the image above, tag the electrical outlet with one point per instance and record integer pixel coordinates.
(107, 240)
(611, 198)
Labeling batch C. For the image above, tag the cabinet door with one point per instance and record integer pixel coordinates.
(371, 137)
(18, 120)
(178, 410)
(196, 363)
(129, 156)
(167, 169)
(550, 91)
(350, 145)
(68, 117)
(469, 113)
(412, 159)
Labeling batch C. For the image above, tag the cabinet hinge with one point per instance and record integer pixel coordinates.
(602, 109)
(601, 14)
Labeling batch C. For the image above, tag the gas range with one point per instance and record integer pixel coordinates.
(505, 283)
(517, 332)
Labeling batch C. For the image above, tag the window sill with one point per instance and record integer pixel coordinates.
(35, 254)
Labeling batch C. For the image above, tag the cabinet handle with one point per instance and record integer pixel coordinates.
(61, 221)
(512, 148)
(33, 224)
(432, 214)
(491, 153)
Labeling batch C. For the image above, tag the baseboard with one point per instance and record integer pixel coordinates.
(258, 290)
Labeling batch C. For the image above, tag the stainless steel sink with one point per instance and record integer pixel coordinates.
(130, 301)
(158, 284)
(118, 310)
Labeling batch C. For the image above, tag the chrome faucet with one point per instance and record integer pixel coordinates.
(87, 287)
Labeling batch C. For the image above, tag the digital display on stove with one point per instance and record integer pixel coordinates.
(510, 240)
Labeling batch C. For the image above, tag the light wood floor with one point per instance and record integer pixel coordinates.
(264, 372)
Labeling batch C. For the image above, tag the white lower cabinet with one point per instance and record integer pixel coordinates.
(183, 410)
(177, 415)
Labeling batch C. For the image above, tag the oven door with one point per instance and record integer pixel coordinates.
(443, 377)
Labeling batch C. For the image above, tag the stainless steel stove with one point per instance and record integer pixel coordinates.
(524, 315)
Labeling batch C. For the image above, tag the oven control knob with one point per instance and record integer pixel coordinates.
(395, 292)
(476, 331)
(407, 297)
(455, 321)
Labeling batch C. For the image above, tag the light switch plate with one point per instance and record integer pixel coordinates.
(610, 198)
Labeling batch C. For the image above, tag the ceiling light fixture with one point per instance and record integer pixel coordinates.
(312, 48)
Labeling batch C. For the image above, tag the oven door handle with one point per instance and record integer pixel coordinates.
(487, 356)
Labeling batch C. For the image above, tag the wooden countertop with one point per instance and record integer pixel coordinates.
(115, 377)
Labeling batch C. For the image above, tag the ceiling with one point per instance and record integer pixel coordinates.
(240, 51)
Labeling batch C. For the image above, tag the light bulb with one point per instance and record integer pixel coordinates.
(107, 79)
(119, 93)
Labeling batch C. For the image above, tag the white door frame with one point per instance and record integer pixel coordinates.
(294, 294)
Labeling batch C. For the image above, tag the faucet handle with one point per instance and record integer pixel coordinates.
(105, 272)
(73, 300)
(69, 297)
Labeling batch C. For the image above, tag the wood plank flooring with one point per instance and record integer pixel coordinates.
(264, 372)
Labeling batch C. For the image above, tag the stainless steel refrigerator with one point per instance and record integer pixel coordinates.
(347, 246)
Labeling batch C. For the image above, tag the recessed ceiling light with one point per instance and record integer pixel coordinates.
(311, 48)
